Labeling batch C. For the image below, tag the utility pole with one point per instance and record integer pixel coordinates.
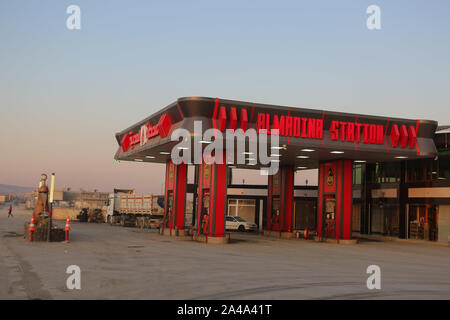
(50, 214)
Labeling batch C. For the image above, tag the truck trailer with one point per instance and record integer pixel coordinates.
(128, 209)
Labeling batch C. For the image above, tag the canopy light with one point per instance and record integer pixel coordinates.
(360, 161)
(164, 152)
(401, 157)
(140, 160)
(150, 157)
(302, 167)
(307, 150)
(302, 157)
(276, 148)
(337, 152)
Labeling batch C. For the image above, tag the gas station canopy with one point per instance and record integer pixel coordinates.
(306, 136)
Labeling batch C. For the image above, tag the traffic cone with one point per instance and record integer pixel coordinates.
(31, 228)
(67, 228)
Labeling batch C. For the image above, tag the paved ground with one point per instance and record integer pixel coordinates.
(126, 263)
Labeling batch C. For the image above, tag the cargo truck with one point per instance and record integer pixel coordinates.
(129, 209)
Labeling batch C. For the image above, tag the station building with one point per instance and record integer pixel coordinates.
(377, 176)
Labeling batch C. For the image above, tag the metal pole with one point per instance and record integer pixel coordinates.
(49, 229)
(50, 214)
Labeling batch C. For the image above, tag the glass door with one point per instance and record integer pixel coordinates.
(422, 222)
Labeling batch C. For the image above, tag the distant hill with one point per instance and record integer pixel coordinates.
(7, 188)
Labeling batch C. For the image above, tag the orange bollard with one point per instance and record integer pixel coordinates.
(31, 228)
(306, 234)
(67, 228)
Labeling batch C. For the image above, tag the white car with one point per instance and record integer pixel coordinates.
(239, 224)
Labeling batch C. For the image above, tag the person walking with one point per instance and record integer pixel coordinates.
(10, 211)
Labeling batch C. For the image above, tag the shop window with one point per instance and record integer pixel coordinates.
(377, 219)
(384, 218)
(444, 168)
(305, 214)
(384, 173)
(356, 217)
(392, 172)
(244, 208)
(249, 202)
(415, 171)
(247, 211)
(422, 222)
(357, 174)
(421, 170)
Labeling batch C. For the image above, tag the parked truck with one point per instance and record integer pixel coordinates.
(129, 209)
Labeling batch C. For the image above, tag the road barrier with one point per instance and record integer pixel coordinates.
(67, 228)
(31, 228)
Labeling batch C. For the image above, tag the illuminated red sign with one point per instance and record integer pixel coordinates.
(403, 136)
(357, 132)
(312, 128)
(147, 132)
(290, 126)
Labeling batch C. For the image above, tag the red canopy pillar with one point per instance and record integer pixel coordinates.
(212, 202)
(175, 198)
(280, 203)
(335, 200)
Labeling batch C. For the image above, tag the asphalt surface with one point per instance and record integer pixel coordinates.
(128, 263)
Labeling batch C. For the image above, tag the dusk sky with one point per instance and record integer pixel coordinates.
(65, 93)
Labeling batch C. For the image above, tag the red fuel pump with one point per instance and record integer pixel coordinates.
(306, 234)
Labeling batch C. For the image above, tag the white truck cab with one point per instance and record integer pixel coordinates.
(113, 207)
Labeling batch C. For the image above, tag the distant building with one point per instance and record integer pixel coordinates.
(67, 198)
(92, 199)
(4, 198)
